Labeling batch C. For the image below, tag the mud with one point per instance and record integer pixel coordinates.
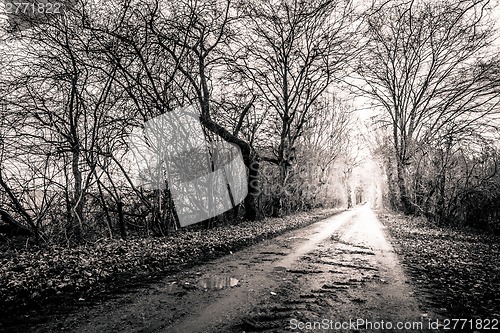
(339, 270)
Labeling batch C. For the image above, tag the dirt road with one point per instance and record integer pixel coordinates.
(337, 275)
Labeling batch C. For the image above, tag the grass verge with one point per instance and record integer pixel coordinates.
(457, 271)
(36, 283)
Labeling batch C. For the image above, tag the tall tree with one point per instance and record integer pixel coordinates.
(422, 65)
(291, 54)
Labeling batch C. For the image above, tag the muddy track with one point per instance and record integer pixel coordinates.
(339, 270)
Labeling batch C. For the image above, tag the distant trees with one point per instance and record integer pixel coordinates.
(427, 66)
(327, 144)
(290, 53)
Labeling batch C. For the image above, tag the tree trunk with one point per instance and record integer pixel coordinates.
(77, 205)
(252, 211)
(349, 197)
(121, 221)
(403, 191)
(250, 161)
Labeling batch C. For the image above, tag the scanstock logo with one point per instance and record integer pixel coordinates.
(205, 178)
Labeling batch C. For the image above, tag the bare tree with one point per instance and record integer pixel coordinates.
(326, 140)
(64, 104)
(291, 55)
(195, 38)
(423, 66)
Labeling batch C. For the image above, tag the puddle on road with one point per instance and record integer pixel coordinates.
(298, 238)
(218, 282)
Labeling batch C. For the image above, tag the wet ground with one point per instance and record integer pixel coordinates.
(337, 275)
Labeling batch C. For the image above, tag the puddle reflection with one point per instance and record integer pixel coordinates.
(218, 282)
